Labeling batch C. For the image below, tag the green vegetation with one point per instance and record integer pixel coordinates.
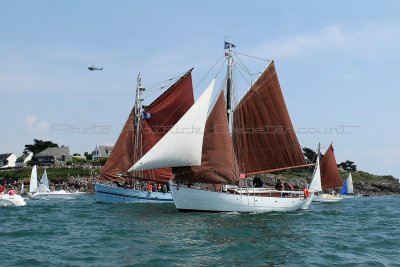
(365, 177)
(55, 174)
(39, 145)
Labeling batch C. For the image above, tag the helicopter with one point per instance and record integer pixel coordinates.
(92, 68)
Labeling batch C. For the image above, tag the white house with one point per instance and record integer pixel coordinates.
(7, 160)
(23, 159)
(101, 152)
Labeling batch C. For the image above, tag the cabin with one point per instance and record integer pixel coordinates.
(23, 159)
(101, 152)
(7, 160)
(53, 156)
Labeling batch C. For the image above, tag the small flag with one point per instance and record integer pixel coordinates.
(146, 115)
(229, 45)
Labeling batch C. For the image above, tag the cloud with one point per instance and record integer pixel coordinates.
(365, 41)
(34, 125)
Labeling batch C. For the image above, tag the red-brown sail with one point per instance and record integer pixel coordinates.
(218, 161)
(330, 176)
(162, 113)
(263, 133)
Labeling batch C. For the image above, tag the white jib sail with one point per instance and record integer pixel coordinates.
(316, 180)
(182, 145)
(350, 189)
(45, 180)
(33, 183)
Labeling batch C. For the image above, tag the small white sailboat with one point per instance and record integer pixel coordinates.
(10, 198)
(326, 177)
(348, 188)
(42, 191)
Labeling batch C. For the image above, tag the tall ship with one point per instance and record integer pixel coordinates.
(231, 142)
(144, 128)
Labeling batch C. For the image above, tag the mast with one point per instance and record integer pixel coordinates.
(228, 53)
(138, 119)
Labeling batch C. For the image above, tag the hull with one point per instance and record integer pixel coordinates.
(11, 200)
(61, 194)
(194, 199)
(112, 194)
(327, 198)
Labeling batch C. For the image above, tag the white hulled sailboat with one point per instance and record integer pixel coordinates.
(42, 190)
(207, 177)
(326, 176)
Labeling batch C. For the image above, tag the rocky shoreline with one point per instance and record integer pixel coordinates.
(376, 188)
(87, 184)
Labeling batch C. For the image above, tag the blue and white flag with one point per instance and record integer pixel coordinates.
(146, 115)
(229, 45)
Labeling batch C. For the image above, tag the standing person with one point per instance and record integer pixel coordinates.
(279, 185)
(150, 187)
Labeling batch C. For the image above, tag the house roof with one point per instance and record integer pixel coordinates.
(4, 156)
(105, 150)
(22, 157)
(54, 151)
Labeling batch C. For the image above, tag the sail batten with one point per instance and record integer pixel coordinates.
(164, 112)
(263, 133)
(182, 144)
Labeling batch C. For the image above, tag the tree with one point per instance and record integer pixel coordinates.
(76, 154)
(100, 162)
(348, 165)
(310, 155)
(39, 145)
(88, 156)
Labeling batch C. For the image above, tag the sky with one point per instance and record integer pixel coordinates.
(337, 62)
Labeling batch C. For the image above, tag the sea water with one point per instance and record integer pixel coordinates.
(361, 231)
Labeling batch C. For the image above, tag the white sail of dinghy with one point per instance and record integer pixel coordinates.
(33, 182)
(182, 145)
(350, 188)
(315, 184)
(45, 181)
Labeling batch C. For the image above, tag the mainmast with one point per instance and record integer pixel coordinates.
(138, 119)
(228, 53)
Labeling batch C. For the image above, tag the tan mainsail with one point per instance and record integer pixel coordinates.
(330, 176)
(263, 133)
(164, 112)
(218, 161)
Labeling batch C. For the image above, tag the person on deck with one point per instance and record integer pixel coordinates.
(257, 182)
(279, 185)
(12, 192)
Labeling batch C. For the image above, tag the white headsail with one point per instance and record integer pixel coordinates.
(316, 180)
(350, 189)
(33, 183)
(45, 180)
(182, 145)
